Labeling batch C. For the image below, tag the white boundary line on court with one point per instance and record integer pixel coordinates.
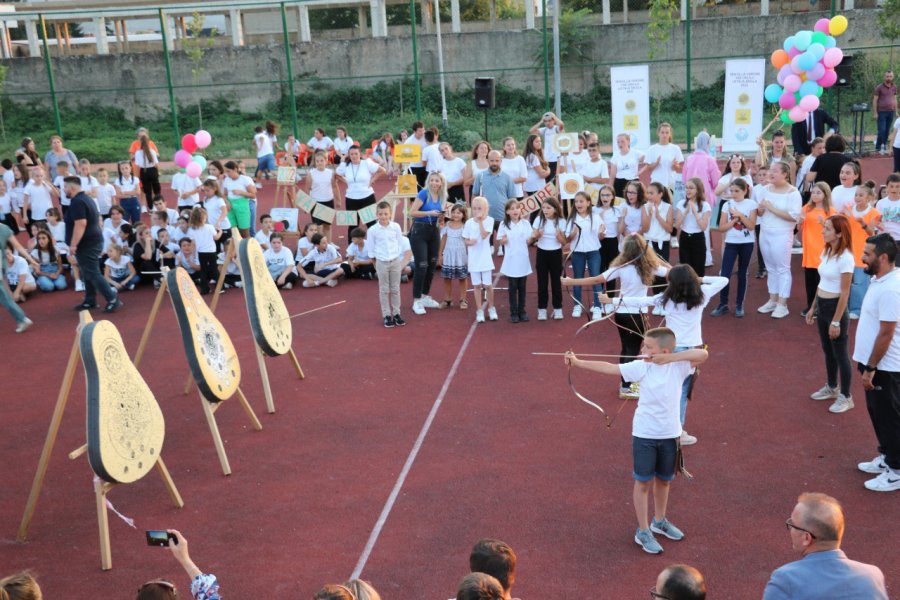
(401, 479)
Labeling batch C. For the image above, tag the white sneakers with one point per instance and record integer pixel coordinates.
(416, 307)
(888, 480)
(479, 316)
(841, 405)
(767, 307)
(492, 314)
(687, 439)
(596, 313)
(557, 314)
(79, 285)
(780, 312)
(429, 302)
(826, 393)
(576, 312)
(876, 466)
(542, 314)
(21, 327)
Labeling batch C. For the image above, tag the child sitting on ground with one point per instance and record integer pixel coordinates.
(50, 274)
(58, 231)
(18, 276)
(280, 262)
(115, 219)
(119, 271)
(166, 249)
(159, 219)
(159, 204)
(232, 273)
(322, 262)
(182, 230)
(189, 260)
(360, 263)
(305, 244)
(265, 231)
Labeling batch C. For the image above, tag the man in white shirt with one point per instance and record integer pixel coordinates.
(664, 159)
(418, 168)
(431, 155)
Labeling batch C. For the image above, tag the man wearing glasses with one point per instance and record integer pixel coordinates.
(816, 527)
(679, 582)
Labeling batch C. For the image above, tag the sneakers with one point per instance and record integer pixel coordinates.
(596, 313)
(875, 466)
(429, 302)
(289, 286)
(24, 325)
(398, 321)
(309, 284)
(626, 393)
(762, 274)
(666, 528)
(888, 481)
(767, 307)
(388, 322)
(523, 317)
(557, 314)
(479, 316)
(418, 308)
(780, 312)
(686, 440)
(492, 314)
(79, 285)
(576, 312)
(719, 311)
(739, 312)
(113, 306)
(841, 405)
(826, 393)
(85, 306)
(542, 314)
(514, 318)
(644, 538)
(238, 284)
(331, 282)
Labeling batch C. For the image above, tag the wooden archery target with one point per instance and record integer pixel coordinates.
(210, 353)
(125, 426)
(269, 318)
(563, 143)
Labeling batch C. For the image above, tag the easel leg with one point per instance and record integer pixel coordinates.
(264, 374)
(151, 321)
(169, 483)
(50, 441)
(296, 364)
(217, 438)
(249, 410)
(100, 489)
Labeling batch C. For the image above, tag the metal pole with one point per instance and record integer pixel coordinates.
(440, 49)
(546, 56)
(687, 95)
(412, 24)
(290, 70)
(172, 106)
(828, 99)
(557, 77)
(50, 81)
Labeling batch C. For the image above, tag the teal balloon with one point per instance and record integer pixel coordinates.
(773, 92)
(820, 91)
(819, 38)
(786, 118)
(802, 40)
(809, 87)
(830, 42)
(788, 43)
(200, 160)
(807, 60)
(817, 50)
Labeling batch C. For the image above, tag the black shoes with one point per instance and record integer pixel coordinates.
(114, 305)
(85, 306)
(388, 322)
(398, 321)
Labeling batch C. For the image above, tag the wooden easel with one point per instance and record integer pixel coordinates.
(284, 190)
(209, 409)
(100, 488)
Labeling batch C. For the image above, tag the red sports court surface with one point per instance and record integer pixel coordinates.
(503, 449)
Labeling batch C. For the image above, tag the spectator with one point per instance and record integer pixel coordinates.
(816, 526)
(497, 559)
(680, 582)
(7, 237)
(479, 586)
(884, 105)
(547, 127)
(203, 586)
(664, 159)
(827, 167)
(27, 155)
(21, 586)
(57, 153)
(804, 132)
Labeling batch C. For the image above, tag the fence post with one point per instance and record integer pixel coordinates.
(412, 24)
(546, 56)
(290, 70)
(687, 70)
(50, 81)
(165, 44)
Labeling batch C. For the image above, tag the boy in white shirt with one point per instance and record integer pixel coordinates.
(182, 230)
(189, 260)
(159, 220)
(360, 263)
(159, 204)
(265, 233)
(37, 197)
(187, 188)
(431, 155)
(62, 168)
(664, 159)
(18, 276)
(322, 263)
(756, 194)
(106, 193)
(386, 242)
(889, 207)
(656, 426)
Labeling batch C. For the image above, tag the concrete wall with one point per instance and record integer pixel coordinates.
(247, 74)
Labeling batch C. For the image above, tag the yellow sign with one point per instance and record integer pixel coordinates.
(631, 122)
(407, 153)
(563, 143)
(407, 184)
(742, 116)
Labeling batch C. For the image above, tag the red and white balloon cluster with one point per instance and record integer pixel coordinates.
(805, 66)
(193, 164)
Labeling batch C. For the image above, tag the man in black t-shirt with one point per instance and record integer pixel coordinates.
(85, 239)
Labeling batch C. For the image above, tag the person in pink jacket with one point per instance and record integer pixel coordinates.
(703, 166)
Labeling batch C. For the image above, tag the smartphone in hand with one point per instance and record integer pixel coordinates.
(160, 537)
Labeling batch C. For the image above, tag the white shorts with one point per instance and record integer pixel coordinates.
(481, 278)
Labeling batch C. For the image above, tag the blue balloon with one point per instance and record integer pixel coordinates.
(802, 40)
(830, 42)
(807, 61)
(773, 92)
(789, 43)
(808, 87)
(818, 50)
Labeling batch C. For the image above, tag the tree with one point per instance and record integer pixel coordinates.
(663, 18)
(195, 46)
(888, 20)
(575, 38)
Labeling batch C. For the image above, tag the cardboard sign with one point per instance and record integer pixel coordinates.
(325, 213)
(533, 203)
(407, 184)
(563, 143)
(288, 215)
(368, 214)
(569, 185)
(305, 201)
(287, 176)
(346, 218)
(407, 153)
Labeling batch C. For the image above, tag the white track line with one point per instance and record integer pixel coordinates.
(401, 479)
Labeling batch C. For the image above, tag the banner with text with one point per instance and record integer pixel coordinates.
(743, 107)
(630, 88)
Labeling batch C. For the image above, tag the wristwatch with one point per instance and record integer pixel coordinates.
(868, 368)
(835, 323)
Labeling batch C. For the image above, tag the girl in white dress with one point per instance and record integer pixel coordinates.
(453, 258)
(513, 235)
(322, 186)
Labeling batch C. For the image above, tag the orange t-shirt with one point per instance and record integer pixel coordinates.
(136, 145)
(811, 230)
(858, 235)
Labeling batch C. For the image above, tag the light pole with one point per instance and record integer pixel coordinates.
(440, 50)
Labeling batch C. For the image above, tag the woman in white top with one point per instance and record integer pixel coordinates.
(584, 230)
(342, 143)
(452, 168)
(319, 141)
(624, 166)
(359, 174)
(843, 196)
(779, 210)
(147, 160)
(737, 224)
(240, 191)
(322, 186)
(514, 165)
(658, 218)
(692, 221)
(829, 308)
(477, 164)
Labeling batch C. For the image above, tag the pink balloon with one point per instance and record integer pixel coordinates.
(189, 143)
(833, 57)
(828, 79)
(809, 103)
(787, 100)
(792, 83)
(182, 158)
(795, 65)
(203, 138)
(816, 72)
(797, 114)
(193, 169)
(794, 52)
(822, 25)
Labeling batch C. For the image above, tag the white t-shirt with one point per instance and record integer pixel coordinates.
(432, 158)
(831, 269)
(39, 198)
(145, 162)
(105, 194)
(263, 144)
(881, 303)
(118, 269)
(728, 178)
(453, 169)
(594, 168)
(128, 187)
(303, 247)
(342, 146)
(515, 167)
(668, 154)
(58, 232)
(422, 144)
(480, 254)
(178, 235)
(59, 184)
(547, 134)
(633, 218)
(204, 238)
(241, 183)
(611, 217)
(890, 216)
(657, 416)
(316, 144)
(656, 233)
(626, 164)
(184, 261)
(182, 184)
(803, 171)
(277, 262)
(587, 237)
(318, 258)
(685, 322)
(17, 269)
(533, 181)
(320, 187)
(630, 285)
(358, 178)
(739, 234)
(215, 208)
(9, 177)
(360, 254)
(548, 229)
(516, 262)
(790, 202)
(5, 204)
(88, 184)
(897, 135)
(385, 241)
(689, 222)
(263, 238)
(842, 197)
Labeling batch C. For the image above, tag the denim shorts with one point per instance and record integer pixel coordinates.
(653, 458)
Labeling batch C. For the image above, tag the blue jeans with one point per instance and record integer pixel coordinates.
(742, 253)
(6, 300)
(885, 118)
(252, 203)
(126, 281)
(592, 261)
(88, 257)
(685, 385)
(46, 284)
(858, 288)
(132, 209)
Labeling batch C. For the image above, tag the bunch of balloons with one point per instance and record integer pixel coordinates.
(805, 66)
(193, 164)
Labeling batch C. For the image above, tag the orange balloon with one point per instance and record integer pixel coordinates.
(780, 58)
